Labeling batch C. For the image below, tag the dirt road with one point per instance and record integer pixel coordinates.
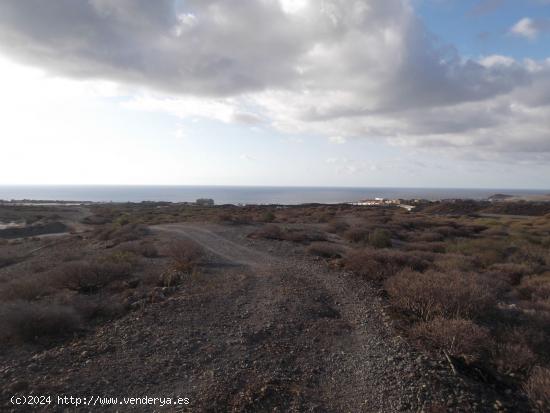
(311, 338)
(262, 328)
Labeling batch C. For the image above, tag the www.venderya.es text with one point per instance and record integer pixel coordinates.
(33, 400)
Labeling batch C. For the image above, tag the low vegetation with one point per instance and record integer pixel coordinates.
(325, 250)
(276, 232)
(470, 286)
(83, 280)
(22, 321)
(185, 255)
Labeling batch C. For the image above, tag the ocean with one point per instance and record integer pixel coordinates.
(239, 194)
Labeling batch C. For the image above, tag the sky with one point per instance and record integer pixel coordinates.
(404, 93)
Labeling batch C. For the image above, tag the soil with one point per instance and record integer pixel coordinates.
(262, 327)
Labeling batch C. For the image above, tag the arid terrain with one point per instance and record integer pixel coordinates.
(309, 308)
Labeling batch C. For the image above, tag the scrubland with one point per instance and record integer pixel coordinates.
(474, 288)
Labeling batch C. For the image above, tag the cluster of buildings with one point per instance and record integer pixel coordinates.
(384, 202)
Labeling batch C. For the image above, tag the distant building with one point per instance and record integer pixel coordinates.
(204, 202)
(382, 202)
(407, 207)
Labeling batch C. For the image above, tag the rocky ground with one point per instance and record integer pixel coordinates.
(262, 327)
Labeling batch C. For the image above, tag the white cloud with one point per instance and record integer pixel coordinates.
(225, 110)
(497, 60)
(526, 27)
(342, 69)
(246, 157)
(530, 28)
(294, 6)
(338, 140)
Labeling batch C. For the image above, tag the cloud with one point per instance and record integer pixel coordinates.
(530, 28)
(246, 157)
(338, 140)
(342, 69)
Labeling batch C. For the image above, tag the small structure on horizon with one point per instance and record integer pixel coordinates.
(381, 202)
(204, 202)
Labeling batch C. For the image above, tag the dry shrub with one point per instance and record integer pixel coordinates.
(536, 257)
(508, 272)
(432, 294)
(536, 287)
(303, 236)
(457, 337)
(438, 247)
(325, 250)
(357, 235)
(268, 232)
(337, 226)
(267, 216)
(24, 288)
(7, 259)
(429, 236)
(380, 238)
(170, 278)
(275, 232)
(239, 218)
(121, 233)
(510, 357)
(94, 307)
(378, 265)
(89, 278)
(449, 231)
(185, 254)
(29, 321)
(487, 251)
(537, 388)
(456, 262)
(144, 248)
